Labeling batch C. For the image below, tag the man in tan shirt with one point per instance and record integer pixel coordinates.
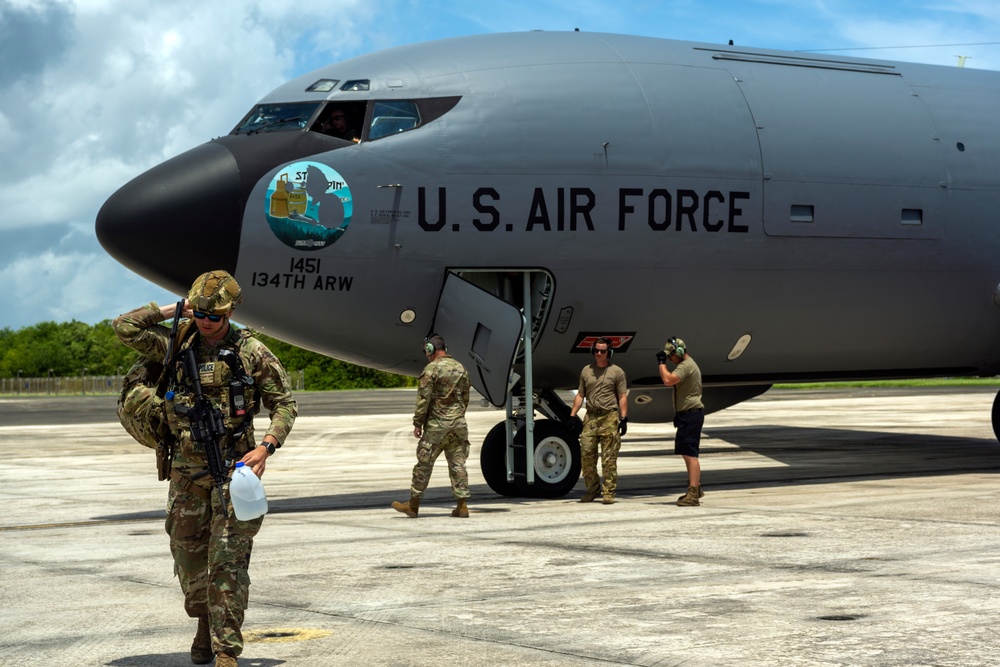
(603, 385)
(689, 412)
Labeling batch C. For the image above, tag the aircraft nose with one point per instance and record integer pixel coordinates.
(177, 220)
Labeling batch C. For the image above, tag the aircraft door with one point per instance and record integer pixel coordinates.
(483, 332)
(490, 319)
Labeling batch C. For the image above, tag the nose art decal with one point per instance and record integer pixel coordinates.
(308, 206)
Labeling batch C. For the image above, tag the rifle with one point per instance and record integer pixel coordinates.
(207, 427)
(165, 450)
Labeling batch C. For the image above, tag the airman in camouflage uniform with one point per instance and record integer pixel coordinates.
(603, 385)
(439, 423)
(210, 546)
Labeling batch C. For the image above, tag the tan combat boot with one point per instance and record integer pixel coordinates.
(409, 508)
(201, 648)
(589, 496)
(462, 510)
(700, 494)
(608, 499)
(690, 499)
(225, 660)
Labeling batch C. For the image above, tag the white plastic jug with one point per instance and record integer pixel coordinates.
(247, 493)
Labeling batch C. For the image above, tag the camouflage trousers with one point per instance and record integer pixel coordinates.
(211, 557)
(600, 431)
(455, 445)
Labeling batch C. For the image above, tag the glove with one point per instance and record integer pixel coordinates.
(575, 426)
(622, 425)
(661, 357)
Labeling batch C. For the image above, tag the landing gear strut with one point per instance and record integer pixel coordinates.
(493, 461)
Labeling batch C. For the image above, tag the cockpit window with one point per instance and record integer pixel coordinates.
(323, 86)
(349, 119)
(356, 85)
(392, 118)
(277, 118)
(342, 120)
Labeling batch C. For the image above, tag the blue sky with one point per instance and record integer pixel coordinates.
(94, 92)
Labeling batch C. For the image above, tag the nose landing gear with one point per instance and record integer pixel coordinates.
(556, 461)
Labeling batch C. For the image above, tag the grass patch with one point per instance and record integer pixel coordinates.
(925, 382)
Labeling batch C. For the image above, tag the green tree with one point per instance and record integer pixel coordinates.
(63, 349)
(324, 373)
(67, 348)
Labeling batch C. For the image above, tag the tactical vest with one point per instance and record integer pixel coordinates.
(227, 386)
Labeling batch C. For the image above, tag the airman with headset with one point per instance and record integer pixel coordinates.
(603, 385)
(689, 412)
(439, 425)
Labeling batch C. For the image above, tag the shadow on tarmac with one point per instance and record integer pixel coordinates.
(799, 455)
(171, 659)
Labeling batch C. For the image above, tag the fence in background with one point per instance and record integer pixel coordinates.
(84, 385)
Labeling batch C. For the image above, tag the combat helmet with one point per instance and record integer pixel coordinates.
(215, 293)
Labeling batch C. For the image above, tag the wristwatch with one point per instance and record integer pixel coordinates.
(269, 446)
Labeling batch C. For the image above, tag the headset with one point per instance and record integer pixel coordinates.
(602, 339)
(679, 348)
(430, 345)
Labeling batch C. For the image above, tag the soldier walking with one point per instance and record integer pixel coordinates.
(210, 546)
(439, 425)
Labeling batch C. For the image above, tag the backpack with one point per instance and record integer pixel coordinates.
(141, 405)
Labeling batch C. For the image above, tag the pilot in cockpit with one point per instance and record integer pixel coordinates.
(339, 122)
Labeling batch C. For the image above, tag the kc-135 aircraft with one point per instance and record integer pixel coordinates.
(793, 217)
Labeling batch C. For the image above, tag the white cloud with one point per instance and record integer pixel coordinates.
(62, 286)
(138, 83)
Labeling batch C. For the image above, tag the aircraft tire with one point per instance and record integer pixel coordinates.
(557, 461)
(492, 461)
(996, 416)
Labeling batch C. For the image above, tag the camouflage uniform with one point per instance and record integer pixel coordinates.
(442, 398)
(212, 553)
(601, 387)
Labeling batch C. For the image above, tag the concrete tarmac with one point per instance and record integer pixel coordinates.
(838, 528)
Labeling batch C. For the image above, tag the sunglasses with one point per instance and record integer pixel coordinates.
(600, 351)
(198, 315)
